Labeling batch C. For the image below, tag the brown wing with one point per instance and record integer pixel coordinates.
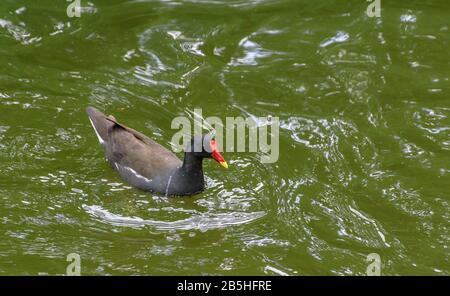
(133, 149)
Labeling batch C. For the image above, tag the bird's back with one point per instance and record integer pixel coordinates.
(139, 160)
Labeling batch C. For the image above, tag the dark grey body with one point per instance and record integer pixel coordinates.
(144, 163)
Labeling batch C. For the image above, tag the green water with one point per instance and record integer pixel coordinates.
(364, 162)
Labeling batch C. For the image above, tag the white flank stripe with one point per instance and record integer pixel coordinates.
(135, 173)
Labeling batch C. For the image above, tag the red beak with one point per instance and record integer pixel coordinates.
(216, 154)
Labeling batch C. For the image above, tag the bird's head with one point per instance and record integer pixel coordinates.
(205, 146)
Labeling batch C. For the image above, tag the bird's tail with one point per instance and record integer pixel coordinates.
(100, 123)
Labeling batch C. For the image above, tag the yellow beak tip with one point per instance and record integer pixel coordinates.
(224, 164)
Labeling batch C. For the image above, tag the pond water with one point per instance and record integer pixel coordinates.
(364, 163)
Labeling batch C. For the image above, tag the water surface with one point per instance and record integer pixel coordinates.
(364, 161)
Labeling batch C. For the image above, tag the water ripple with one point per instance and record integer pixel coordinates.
(202, 222)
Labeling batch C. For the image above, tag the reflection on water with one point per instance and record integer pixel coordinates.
(364, 136)
(202, 222)
(339, 37)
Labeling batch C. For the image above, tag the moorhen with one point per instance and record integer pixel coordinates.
(146, 164)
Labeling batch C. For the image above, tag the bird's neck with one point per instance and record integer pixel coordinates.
(190, 175)
(192, 164)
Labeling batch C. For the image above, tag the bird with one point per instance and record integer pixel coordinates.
(149, 166)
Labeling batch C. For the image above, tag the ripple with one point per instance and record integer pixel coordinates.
(408, 18)
(407, 200)
(270, 269)
(202, 222)
(19, 32)
(160, 65)
(3, 129)
(326, 137)
(338, 38)
(252, 53)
